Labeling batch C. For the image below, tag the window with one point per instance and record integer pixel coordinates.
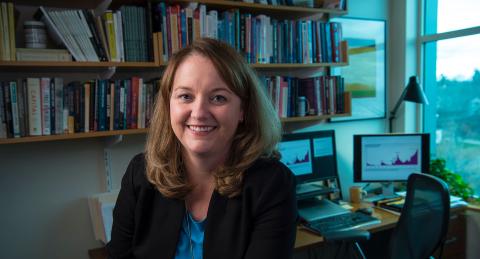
(451, 44)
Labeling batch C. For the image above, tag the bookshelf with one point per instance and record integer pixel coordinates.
(97, 134)
(51, 67)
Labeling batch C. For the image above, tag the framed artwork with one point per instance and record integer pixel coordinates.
(365, 75)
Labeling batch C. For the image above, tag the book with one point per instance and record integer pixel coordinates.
(101, 213)
(45, 105)
(27, 54)
(14, 109)
(34, 107)
(3, 125)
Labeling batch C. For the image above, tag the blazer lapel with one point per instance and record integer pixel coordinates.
(216, 210)
(170, 216)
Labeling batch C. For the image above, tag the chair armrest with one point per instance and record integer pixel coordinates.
(354, 235)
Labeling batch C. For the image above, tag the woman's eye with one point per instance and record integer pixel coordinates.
(219, 99)
(184, 97)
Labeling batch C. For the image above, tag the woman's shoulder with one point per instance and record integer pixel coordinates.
(136, 172)
(268, 169)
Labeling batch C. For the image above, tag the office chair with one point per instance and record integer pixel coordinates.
(422, 225)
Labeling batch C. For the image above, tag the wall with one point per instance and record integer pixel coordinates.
(44, 186)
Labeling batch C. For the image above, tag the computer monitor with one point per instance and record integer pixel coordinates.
(388, 158)
(310, 155)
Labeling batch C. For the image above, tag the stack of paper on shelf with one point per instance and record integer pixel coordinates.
(26, 54)
(101, 212)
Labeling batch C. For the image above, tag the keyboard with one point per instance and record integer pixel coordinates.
(346, 221)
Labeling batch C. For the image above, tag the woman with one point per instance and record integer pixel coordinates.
(209, 184)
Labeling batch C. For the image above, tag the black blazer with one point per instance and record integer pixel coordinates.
(260, 223)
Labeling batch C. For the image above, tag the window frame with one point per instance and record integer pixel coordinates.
(428, 20)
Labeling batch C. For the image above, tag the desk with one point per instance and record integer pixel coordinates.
(455, 241)
(306, 239)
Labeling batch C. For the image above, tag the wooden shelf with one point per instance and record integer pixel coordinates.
(296, 65)
(73, 65)
(72, 136)
(279, 9)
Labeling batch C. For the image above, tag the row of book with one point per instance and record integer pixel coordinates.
(120, 35)
(7, 31)
(260, 38)
(324, 95)
(45, 106)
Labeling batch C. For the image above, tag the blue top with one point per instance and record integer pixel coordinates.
(183, 246)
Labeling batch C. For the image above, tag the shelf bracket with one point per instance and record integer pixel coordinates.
(107, 74)
(107, 156)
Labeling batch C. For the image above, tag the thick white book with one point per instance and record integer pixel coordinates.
(101, 212)
(56, 34)
(34, 107)
(86, 34)
(61, 24)
(73, 27)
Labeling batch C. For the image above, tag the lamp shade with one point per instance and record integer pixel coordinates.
(414, 93)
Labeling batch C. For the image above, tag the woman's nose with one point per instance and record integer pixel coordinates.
(200, 108)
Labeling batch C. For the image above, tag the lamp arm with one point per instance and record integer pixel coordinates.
(394, 111)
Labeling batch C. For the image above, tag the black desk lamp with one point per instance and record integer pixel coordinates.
(412, 93)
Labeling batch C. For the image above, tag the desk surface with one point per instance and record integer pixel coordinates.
(306, 238)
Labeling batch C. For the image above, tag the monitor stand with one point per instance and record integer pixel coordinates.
(387, 193)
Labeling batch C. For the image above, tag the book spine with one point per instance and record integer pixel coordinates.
(52, 106)
(21, 96)
(11, 30)
(34, 107)
(92, 110)
(45, 101)
(110, 32)
(86, 105)
(58, 86)
(8, 109)
(3, 125)
(134, 102)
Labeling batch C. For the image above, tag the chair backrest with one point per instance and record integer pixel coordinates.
(424, 219)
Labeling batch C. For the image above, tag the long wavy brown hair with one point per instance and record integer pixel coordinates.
(255, 137)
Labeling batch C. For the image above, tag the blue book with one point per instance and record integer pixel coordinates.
(183, 20)
(298, 37)
(314, 41)
(102, 105)
(275, 41)
(324, 43)
(328, 41)
(254, 34)
(237, 28)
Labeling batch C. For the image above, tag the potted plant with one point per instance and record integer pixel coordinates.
(456, 185)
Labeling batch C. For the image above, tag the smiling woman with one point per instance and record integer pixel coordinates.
(210, 184)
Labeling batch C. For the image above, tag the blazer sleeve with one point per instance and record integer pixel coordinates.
(275, 213)
(120, 245)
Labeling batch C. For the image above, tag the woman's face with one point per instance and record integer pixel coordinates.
(204, 112)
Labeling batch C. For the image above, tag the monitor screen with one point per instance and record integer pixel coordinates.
(390, 157)
(310, 155)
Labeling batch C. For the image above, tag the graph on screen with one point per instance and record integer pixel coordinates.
(391, 156)
(297, 156)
